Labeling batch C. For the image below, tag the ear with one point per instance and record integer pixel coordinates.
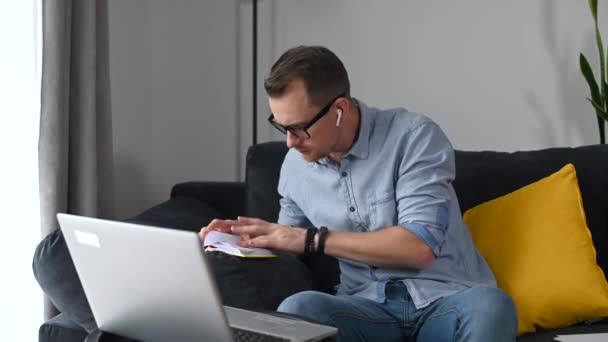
(344, 103)
(342, 107)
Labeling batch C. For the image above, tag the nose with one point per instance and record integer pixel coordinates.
(292, 140)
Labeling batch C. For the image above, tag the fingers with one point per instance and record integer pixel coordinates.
(252, 230)
(259, 242)
(250, 220)
(250, 227)
(202, 233)
(222, 225)
(271, 236)
(217, 225)
(246, 227)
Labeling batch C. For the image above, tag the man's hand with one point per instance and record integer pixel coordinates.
(219, 226)
(259, 233)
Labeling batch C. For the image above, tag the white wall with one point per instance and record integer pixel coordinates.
(174, 68)
(496, 75)
(499, 75)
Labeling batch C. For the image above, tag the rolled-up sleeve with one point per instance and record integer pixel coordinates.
(291, 215)
(423, 184)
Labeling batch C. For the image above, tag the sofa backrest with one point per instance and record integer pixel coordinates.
(480, 176)
(262, 178)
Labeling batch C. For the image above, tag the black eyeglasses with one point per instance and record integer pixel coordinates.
(301, 130)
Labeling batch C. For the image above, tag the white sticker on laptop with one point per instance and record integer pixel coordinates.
(87, 238)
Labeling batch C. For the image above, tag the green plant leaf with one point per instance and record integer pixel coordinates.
(600, 47)
(588, 74)
(593, 7)
(605, 98)
(601, 113)
(598, 96)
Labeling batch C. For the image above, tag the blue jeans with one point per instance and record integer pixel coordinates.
(475, 314)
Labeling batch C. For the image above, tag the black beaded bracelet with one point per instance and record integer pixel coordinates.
(323, 231)
(309, 243)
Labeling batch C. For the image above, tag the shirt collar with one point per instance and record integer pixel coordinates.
(361, 146)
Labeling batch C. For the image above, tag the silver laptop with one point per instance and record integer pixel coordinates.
(153, 284)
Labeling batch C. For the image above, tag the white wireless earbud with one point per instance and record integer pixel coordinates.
(339, 117)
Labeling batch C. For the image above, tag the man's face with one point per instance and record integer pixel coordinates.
(294, 108)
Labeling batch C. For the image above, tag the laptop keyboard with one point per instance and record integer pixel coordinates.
(241, 335)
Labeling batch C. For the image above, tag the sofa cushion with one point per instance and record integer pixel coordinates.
(482, 176)
(537, 243)
(258, 284)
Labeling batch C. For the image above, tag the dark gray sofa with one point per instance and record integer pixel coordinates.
(481, 176)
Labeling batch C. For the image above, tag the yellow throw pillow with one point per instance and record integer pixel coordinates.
(538, 245)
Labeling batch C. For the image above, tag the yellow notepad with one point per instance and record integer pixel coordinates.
(227, 243)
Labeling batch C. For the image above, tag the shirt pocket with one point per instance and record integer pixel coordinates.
(382, 210)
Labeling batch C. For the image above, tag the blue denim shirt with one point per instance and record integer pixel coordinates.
(398, 173)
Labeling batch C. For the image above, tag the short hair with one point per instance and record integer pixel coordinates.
(323, 73)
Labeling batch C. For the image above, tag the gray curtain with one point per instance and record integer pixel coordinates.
(75, 146)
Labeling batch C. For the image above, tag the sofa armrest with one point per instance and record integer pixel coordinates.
(227, 197)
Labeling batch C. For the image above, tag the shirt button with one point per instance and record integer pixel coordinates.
(352, 209)
(343, 174)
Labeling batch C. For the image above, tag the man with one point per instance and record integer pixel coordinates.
(378, 185)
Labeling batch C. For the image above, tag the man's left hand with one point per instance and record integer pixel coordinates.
(259, 233)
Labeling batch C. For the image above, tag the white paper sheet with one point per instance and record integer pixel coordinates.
(227, 243)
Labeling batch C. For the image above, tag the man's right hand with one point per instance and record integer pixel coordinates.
(219, 226)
